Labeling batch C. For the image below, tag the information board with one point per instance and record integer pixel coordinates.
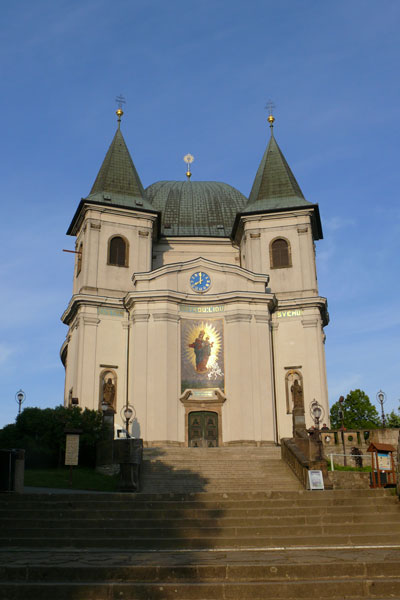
(384, 461)
(315, 479)
(72, 449)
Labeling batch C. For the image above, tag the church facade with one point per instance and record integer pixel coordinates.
(195, 305)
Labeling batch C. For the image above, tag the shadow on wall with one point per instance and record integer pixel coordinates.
(135, 428)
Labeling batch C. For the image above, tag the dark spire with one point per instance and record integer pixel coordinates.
(117, 173)
(275, 185)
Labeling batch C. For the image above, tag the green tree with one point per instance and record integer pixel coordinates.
(393, 419)
(41, 432)
(358, 412)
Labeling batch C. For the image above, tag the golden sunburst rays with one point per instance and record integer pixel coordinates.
(194, 332)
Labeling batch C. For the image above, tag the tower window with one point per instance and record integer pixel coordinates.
(117, 252)
(280, 254)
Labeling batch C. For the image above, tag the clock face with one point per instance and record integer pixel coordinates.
(200, 281)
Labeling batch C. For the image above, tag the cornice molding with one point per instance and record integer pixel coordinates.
(166, 316)
(310, 322)
(204, 263)
(262, 317)
(238, 317)
(140, 317)
(88, 300)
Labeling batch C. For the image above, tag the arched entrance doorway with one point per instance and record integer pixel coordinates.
(203, 429)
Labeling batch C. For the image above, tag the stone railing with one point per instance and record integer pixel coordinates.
(398, 467)
(297, 461)
(302, 453)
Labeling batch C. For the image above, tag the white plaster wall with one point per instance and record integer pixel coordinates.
(298, 342)
(100, 225)
(260, 231)
(175, 250)
(154, 322)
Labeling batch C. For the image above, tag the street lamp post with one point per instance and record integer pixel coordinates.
(127, 414)
(342, 429)
(317, 414)
(20, 398)
(381, 397)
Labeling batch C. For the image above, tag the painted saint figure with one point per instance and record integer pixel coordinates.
(197, 346)
(202, 350)
(206, 353)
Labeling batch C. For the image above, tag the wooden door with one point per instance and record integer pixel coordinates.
(203, 429)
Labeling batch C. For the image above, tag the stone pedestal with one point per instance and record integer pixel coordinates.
(128, 454)
(299, 422)
(19, 472)
(108, 418)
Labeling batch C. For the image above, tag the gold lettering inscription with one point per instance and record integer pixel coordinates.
(201, 309)
(289, 313)
(110, 312)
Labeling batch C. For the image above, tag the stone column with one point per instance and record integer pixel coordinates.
(138, 369)
(316, 382)
(88, 359)
(308, 271)
(142, 262)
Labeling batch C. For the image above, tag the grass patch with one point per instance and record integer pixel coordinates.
(366, 469)
(82, 479)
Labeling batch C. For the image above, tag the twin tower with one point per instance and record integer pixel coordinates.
(196, 306)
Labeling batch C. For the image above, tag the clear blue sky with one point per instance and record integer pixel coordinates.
(196, 76)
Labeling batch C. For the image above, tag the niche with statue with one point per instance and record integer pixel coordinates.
(108, 390)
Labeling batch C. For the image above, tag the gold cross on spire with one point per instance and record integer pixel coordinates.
(270, 108)
(188, 158)
(120, 100)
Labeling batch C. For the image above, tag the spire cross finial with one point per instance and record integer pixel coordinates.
(270, 108)
(188, 158)
(120, 100)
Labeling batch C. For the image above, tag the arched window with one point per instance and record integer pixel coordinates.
(117, 252)
(280, 254)
(79, 259)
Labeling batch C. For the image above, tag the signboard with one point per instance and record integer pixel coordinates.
(315, 480)
(72, 449)
(384, 462)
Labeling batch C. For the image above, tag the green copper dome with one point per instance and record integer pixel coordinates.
(195, 208)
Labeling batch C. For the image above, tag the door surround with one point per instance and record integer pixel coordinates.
(210, 400)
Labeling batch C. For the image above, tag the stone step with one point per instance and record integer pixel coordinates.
(89, 521)
(238, 468)
(336, 589)
(271, 570)
(65, 496)
(202, 546)
(321, 514)
(183, 531)
(200, 510)
(327, 496)
(137, 543)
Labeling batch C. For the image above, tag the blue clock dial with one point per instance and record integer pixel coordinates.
(200, 281)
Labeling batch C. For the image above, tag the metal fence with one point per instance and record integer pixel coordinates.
(351, 459)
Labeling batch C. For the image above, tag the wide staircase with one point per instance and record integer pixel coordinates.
(200, 545)
(239, 468)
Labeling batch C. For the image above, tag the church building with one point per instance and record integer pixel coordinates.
(196, 306)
